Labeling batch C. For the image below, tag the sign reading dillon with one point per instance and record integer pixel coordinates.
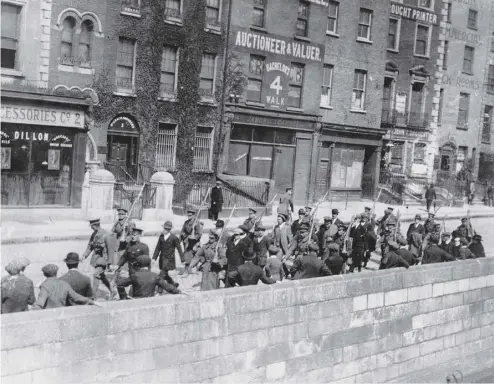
(278, 46)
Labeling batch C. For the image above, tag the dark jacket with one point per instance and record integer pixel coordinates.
(234, 252)
(80, 283)
(144, 283)
(17, 294)
(359, 236)
(249, 274)
(430, 194)
(465, 253)
(447, 247)
(477, 249)
(132, 252)
(434, 254)
(393, 260)
(412, 229)
(295, 226)
(216, 200)
(56, 293)
(165, 250)
(335, 263)
(429, 225)
(274, 268)
(407, 256)
(261, 250)
(309, 266)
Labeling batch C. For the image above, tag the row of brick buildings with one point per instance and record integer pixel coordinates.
(314, 94)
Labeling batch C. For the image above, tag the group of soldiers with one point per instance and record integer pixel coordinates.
(292, 249)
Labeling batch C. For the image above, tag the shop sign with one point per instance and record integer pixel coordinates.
(275, 84)
(55, 117)
(415, 14)
(123, 124)
(408, 134)
(277, 45)
(273, 122)
(57, 141)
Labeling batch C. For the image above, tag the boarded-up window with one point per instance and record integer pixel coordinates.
(347, 167)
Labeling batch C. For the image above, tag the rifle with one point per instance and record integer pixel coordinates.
(375, 201)
(470, 231)
(122, 236)
(397, 223)
(222, 229)
(314, 214)
(347, 235)
(199, 212)
(443, 229)
(262, 214)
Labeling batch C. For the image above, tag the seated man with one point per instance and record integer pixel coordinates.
(249, 273)
(309, 265)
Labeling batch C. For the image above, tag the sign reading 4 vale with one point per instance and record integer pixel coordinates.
(276, 80)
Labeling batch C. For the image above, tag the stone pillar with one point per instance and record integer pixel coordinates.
(100, 197)
(162, 211)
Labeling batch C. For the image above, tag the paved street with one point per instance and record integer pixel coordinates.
(53, 252)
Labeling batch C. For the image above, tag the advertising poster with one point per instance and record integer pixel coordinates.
(54, 159)
(6, 157)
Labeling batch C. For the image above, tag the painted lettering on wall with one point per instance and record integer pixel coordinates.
(275, 88)
(41, 116)
(278, 46)
(413, 13)
(457, 34)
(461, 82)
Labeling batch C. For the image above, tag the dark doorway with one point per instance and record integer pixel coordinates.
(123, 148)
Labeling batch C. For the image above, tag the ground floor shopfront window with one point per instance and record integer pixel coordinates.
(37, 164)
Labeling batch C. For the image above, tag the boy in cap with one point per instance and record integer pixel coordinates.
(17, 289)
(309, 265)
(99, 247)
(122, 232)
(143, 281)
(476, 246)
(274, 265)
(286, 204)
(248, 273)
(165, 251)
(56, 293)
(80, 283)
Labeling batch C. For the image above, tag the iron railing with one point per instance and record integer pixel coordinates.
(131, 6)
(124, 195)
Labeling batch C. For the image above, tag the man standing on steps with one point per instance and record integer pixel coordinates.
(216, 201)
(430, 196)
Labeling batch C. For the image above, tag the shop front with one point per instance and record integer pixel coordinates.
(271, 149)
(43, 151)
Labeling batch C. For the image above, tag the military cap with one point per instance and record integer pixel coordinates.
(122, 210)
(13, 267)
(391, 222)
(24, 262)
(307, 208)
(243, 228)
(417, 216)
(313, 247)
(477, 237)
(304, 227)
(138, 230)
(191, 211)
(249, 254)
(434, 239)
(334, 211)
(273, 249)
(301, 211)
(288, 189)
(390, 209)
(168, 225)
(327, 218)
(71, 258)
(50, 270)
(368, 208)
(260, 227)
(94, 222)
(333, 247)
(251, 210)
(143, 261)
(393, 245)
(282, 216)
(447, 234)
(432, 214)
(220, 223)
(464, 219)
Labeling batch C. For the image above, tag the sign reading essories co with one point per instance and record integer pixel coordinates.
(55, 117)
(277, 45)
(415, 14)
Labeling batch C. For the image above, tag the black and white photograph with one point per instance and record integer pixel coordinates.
(247, 191)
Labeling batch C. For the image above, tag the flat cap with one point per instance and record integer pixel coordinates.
(301, 211)
(168, 225)
(238, 231)
(273, 249)
(122, 210)
(464, 219)
(24, 262)
(477, 237)
(138, 230)
(191, 211)
(243, 228)
(282, 216)
(327, 218)
(260, 227)
(49, 270)
(13, 267)
(288, 189)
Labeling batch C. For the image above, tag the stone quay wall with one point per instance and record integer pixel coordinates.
(415, 325)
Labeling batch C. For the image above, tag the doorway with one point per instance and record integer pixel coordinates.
(122, 155)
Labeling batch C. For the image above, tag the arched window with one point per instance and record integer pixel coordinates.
(67, 41)
(85, 40)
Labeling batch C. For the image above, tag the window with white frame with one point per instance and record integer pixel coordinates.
(445, 57)
(326, 85)
(490, 79)
(166, 146)
(359, 85)
(169, 70)
(419, 153)
(472, 19)
(10, 35)
(259, 13)
(468, 59)
(254, 82)
(213, 12)
(203, 149)
(85, 43)
(426, 3)
(422, 40)
(302, 19)
(67, 41)
(448, 10)
(463, 111)
(364, 24)
(394, 34)
(206, 84)
(125, 65)
(295, 86)
(333, 17)
(173, 8)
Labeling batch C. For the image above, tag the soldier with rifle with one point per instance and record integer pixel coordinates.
(122, 230)
(191, 234)
(250, 222)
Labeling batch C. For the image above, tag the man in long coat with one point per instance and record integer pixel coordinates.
(216, 201)
(165, 251)
(282, 234)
